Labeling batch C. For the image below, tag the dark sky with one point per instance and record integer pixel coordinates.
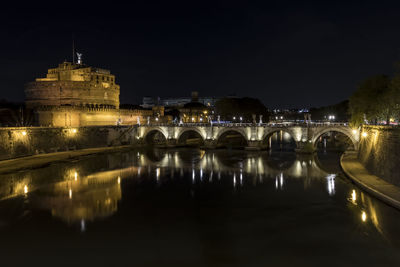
(287, 53)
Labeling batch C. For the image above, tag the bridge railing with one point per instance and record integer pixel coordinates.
(277, 125)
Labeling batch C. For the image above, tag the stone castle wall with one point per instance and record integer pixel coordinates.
(25, 141)
(379, 152)
(73, 93)
(82, 116)
(76, 95)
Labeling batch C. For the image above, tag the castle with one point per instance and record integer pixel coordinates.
(74, 94)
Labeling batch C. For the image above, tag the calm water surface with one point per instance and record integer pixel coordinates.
(189, 207)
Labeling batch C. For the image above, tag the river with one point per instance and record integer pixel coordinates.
(190, 207)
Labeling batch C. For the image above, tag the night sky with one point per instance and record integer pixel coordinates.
(288, 54)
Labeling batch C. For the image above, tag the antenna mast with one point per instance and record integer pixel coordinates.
(73, 49)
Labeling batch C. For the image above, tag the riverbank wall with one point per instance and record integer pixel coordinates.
(26, 141)
(379, 152)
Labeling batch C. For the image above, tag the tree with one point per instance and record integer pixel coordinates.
(340, 110)
(393, 98)
(244, 107)
(373, 100)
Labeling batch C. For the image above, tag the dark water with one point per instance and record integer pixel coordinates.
(189, 207)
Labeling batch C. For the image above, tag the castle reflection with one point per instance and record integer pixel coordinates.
(78, 192)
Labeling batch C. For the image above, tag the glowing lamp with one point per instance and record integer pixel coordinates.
(23, 133)
(364, 134)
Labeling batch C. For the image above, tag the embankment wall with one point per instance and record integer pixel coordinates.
(25, 141)
(379, 152)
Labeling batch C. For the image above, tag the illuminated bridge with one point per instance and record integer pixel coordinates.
(250, 136)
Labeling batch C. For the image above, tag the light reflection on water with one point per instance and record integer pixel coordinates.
(83, 192)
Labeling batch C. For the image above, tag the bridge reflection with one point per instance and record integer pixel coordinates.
(81, 191)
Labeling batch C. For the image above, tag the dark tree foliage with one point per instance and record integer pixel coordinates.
(174, 113)
(375, 100)
(340, 111)
(245, 107)
(15, 114)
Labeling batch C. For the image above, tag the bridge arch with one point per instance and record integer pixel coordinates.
(190, 133)
(347, 131)
(295, 137)
(198, 130)
(225, 133)
(155, 134)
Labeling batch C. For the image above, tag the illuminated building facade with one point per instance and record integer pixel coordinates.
(74, 85)
(79, 95)
(178, 102)
(194, 111)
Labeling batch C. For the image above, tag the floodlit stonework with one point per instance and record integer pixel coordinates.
(74, 85)
(80, 95)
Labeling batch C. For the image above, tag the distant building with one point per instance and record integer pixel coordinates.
(178, 102)
(194, 111)
(80, 95)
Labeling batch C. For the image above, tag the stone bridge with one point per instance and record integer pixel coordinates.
(255, 136)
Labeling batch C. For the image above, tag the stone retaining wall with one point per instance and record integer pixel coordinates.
(25, 141)
(380, 152)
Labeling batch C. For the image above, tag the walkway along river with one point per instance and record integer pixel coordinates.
(190, 207)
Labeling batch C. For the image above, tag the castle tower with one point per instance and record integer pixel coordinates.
(73, 84)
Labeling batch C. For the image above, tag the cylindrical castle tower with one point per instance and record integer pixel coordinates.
(74, 85)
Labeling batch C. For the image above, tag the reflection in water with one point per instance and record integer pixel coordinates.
(84, 191)
(354, 197)
(363, 216)
(91, 197)
(279, 181)
(367, 209)
(331, 184)
(80, 193)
